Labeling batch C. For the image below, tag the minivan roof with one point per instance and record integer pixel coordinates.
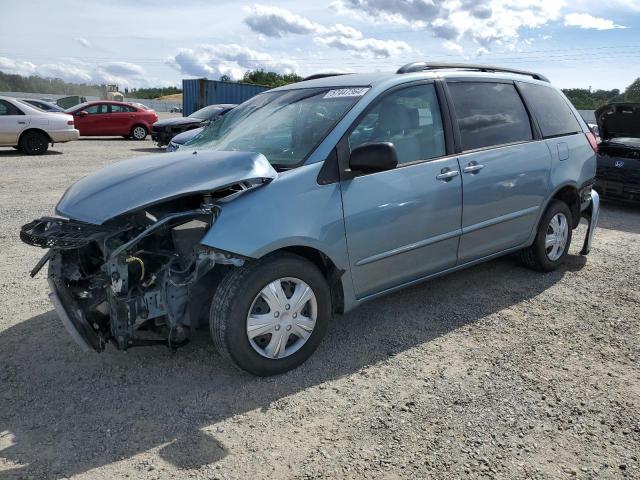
(373, 79)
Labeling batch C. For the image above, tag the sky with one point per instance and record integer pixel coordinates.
(145, 43)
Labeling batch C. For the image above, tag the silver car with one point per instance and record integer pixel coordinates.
(310, 199)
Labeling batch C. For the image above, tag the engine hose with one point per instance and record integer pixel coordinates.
(139, 260)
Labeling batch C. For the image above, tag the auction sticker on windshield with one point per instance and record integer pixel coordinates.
(346, 92)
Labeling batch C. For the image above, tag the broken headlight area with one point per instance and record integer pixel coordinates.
(135, 280)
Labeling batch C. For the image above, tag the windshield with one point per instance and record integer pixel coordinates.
(284, 126)
(206, 113)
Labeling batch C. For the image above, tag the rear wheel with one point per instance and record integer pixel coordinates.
(34, 143)
(139, 132)
(269, 316)
(552, 239)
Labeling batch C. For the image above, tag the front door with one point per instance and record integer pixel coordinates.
(96, 122)
(404, 223)
(505, 173)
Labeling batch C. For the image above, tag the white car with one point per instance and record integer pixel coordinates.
(30, 129)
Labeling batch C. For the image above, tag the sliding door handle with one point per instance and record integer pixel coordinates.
(447, 174)
(473, 167)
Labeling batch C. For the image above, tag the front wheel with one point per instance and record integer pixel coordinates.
(269, 316)
(552, 241)
(139, 132)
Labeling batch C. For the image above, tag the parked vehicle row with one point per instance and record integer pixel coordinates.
(312, 198)
(31, 130)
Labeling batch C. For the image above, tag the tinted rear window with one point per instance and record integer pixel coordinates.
(553, 114)
(489, 114)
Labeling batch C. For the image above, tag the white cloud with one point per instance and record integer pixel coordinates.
(586, 21)
(123, 69)
(17, 67)
(277, 22)
(486, 22)
(452, 46)
(227, 59)
(122, 73)
(84, 42)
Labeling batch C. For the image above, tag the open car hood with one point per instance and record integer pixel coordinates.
(619, 120)
(140, 182)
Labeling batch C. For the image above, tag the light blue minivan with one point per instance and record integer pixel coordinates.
(312, 198)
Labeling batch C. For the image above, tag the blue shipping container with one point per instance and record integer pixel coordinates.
(198, 93)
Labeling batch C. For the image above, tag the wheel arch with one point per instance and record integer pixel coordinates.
(331, 272)
(34, 129)
(570, 195)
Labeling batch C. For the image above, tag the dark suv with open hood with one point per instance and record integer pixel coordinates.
(618, 172)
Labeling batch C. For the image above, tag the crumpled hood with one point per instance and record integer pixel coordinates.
(619, 120)
(178, 121)
(140, 182)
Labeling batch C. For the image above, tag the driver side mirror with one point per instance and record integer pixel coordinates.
(82, 113)
(373, 157)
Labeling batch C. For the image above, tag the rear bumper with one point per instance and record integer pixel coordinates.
(620, 190)
(61, 136)
(591, 213)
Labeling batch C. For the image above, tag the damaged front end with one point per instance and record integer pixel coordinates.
(131, 281)
(140, 276)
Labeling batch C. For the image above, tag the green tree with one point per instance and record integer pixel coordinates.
(270, 79)
(632, 93)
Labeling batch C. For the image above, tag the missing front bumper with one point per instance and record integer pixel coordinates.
(71, 315)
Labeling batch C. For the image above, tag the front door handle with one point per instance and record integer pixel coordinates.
(473, 167)
(447, 174)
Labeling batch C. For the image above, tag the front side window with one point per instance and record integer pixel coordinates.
(550, 109)
(285, 126)
(410, 119)
(489, 114)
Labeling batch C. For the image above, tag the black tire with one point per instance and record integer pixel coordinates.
(138, 136)
(234, 298)
(34, 143)
(535, 256)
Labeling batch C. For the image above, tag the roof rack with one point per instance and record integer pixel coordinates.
(322, 75)
(421, 66)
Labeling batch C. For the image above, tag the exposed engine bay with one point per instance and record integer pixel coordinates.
(139, 279)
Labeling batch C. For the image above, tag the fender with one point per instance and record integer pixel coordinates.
(292, 210)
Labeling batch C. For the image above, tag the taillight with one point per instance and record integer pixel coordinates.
(592, 141)
(69, 122)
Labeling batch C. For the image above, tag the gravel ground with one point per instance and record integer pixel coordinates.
(492, 372)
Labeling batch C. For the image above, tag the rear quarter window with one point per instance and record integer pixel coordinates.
(489, 114)
(551, 110)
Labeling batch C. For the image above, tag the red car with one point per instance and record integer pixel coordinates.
(105, 118)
